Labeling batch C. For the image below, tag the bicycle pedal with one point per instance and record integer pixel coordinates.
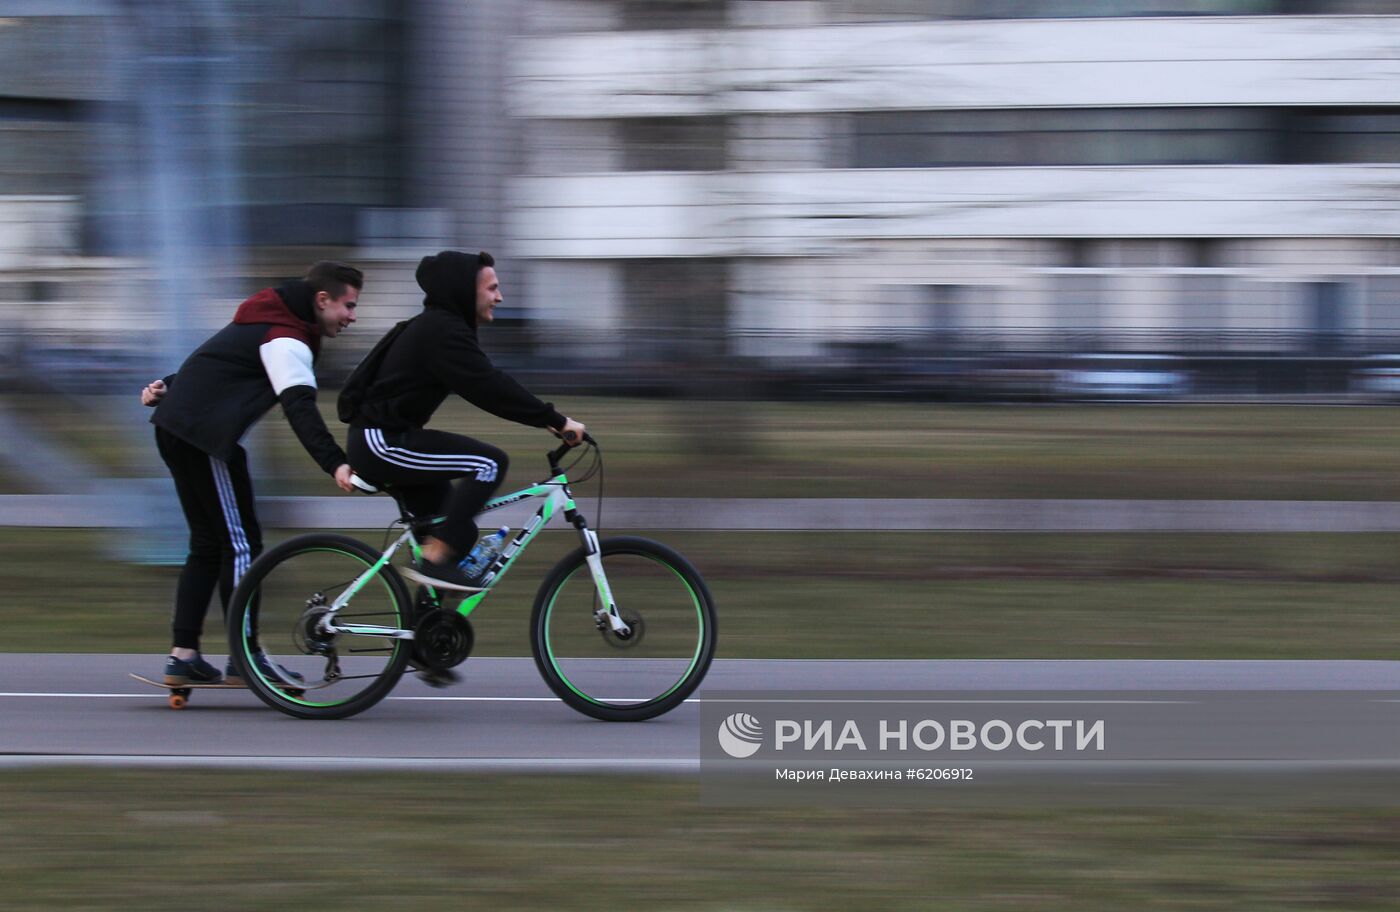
(439, 678)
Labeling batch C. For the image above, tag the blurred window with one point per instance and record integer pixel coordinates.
(1203, 307)
(1344, 135)
(1326, 303)
(676, 310)
(673, 14)
(41, 156)
(1121, 136)
(47, 70)
(1117, 253)
(560, 146)
(946, 316)
(53, 56)
(42, 292)
(1079, 300)
(867, 10)
(1338, 7)
(1266, 313)
(888, 10)
(1066, 136)
(321, 122)
(593, 15)
(674, 143)
(1383, 305)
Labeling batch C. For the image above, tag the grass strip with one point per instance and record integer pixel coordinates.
(873, 595)
(663, 448)
(102, 839)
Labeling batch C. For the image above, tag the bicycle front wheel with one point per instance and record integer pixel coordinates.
(281, 647)
(654, 666)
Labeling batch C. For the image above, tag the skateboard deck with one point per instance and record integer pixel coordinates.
(180, 693)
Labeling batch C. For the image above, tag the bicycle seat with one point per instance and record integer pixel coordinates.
(420, 524)
(365, 487)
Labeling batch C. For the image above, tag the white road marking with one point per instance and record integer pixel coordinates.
(577, 765)
(157, 696)
(85, 695)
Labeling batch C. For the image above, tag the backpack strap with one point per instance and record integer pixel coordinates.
(355, 392)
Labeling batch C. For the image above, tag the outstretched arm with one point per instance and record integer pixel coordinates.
(288, 365)
(463, 367)
(299, 405)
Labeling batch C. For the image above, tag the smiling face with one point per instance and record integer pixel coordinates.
(334, 314)
(488, 294)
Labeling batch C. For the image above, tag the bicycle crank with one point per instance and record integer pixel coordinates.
(442, 640)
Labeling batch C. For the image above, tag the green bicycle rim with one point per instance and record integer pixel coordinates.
(699, 642)
(279, 686)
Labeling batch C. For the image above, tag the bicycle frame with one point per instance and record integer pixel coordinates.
(557, 498)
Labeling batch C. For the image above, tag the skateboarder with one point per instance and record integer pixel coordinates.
(264, 357)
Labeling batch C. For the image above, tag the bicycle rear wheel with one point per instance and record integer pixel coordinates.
(275, 637)
(645, 673)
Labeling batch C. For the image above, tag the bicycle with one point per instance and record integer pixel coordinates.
(623, 629)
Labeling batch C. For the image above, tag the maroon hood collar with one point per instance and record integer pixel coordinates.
(271, 306)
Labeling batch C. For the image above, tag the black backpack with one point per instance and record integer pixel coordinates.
(357, 386)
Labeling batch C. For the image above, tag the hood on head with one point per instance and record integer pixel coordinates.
(448, 280)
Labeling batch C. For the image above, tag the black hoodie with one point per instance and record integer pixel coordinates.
(225, 385)
(438, 354)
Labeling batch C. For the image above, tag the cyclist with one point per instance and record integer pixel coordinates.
(434, 354)
(265, 356)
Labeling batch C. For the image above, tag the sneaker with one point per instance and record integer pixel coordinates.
(275, 673)
(191, 671)
(442, 576)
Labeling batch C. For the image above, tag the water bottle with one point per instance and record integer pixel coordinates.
(485, 551)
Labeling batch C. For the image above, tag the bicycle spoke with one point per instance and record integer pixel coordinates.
(666, 642)
(285, 628)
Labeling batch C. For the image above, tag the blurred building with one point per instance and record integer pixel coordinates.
(159, 160)
(838, 191)
(902, 183)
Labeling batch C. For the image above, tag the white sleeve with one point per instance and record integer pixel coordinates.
(288, 363)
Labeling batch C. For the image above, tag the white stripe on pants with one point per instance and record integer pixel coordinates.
(484, 469)
(242, 553)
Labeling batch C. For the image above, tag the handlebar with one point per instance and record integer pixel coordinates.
(556, 454)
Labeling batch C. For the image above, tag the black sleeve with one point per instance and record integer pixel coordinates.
(463, 367)
(169, 380)
(299, 405)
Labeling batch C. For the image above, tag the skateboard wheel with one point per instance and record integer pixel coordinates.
(178, 701)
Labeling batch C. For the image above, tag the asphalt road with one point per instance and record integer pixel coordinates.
(143, 502)
(84, 709)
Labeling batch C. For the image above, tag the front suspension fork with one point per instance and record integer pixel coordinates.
(606, 614)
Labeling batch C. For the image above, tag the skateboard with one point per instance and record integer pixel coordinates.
(180, 693)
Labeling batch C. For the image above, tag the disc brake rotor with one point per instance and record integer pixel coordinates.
(637, 630)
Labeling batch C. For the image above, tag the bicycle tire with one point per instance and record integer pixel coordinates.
(649, 581)
(248, 617)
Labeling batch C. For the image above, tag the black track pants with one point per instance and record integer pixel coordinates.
(217, 499)
(420, 464)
